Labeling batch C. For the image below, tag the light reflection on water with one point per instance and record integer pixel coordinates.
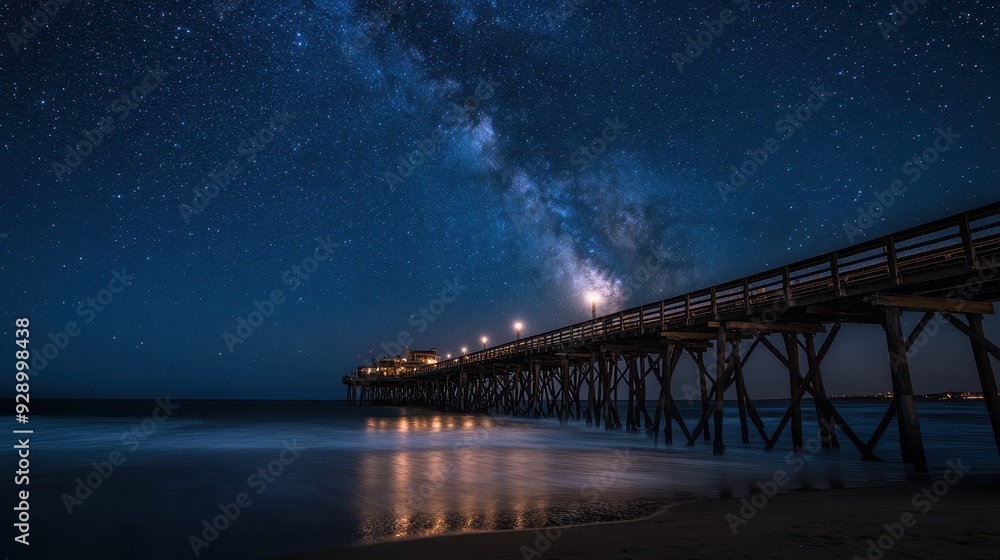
(370, 474)
(475, 473)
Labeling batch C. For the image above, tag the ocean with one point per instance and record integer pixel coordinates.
(262, 479)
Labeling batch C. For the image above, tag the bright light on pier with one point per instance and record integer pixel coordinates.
(593, 298)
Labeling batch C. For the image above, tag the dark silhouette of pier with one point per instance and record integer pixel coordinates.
(947, 270)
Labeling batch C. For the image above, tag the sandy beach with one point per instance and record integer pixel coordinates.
(950, 517)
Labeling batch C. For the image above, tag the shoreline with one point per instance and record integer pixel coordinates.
(834, 523)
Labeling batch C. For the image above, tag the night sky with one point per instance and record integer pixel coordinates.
(515, 155)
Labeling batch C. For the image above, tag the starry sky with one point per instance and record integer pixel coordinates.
(195, 157)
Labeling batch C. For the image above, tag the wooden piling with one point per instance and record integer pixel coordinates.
(720, 390)
(794, 377)
(986, 378)
(910, 439)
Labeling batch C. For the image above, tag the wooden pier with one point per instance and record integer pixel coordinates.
(946, 270)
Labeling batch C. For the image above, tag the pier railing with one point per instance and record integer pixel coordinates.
(944, 247)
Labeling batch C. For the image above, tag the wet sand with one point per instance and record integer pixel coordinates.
(929, 518)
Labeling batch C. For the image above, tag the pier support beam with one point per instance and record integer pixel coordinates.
(910, 440)
(605, 376)
(986, 378)
(741, 391)
(612, 420)
(827, 425)
(591, 397)
(720, 387)
(702, 375)
(663, 376)
(536, 388)
(795, 378)
(630, 381)
(593, 414)
(564, 412)
(666, 408)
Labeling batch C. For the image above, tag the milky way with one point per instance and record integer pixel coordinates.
(533, 151)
